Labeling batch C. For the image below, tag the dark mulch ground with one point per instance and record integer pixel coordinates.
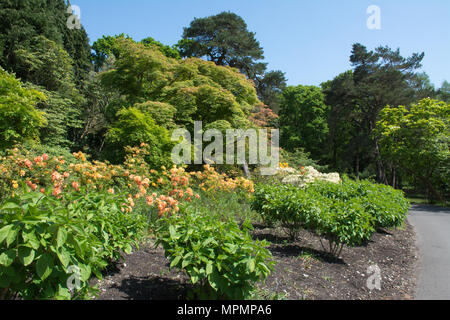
(302, 271)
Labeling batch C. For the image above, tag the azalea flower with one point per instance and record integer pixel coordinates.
(76, 186)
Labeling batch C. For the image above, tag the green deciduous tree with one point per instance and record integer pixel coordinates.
(303, 119)
(23, 20)
(198, 90)
(133, 128)
(168, 51)
(382, 77)
(47, 67)
(45, 63)
(19, 118)
(105, 48)
(416, 141)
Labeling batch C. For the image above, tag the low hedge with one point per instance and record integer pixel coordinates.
(386, 205)
(345, 214)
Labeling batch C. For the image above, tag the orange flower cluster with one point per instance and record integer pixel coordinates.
(162, 190)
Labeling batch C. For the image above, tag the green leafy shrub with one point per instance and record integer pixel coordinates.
(46, 245)
(386, 205)
(234, 205)
(220, 258)
(345, 214)
(281, 204)
(340, 222)
(118, 231)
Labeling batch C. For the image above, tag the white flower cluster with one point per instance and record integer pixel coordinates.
(309, 176)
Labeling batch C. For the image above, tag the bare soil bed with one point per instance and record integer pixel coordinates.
(303, 270)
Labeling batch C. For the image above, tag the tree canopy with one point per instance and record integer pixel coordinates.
(20, 120)
(21, 21)
(196, 89)
(225, 40)
(303, 119)
(416, 140)
(379, 78)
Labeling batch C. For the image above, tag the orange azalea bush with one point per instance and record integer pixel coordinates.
(162, 190)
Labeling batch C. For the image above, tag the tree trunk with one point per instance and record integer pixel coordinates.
(246, 170)
(394, 178)
(357, 167)
(381, 175)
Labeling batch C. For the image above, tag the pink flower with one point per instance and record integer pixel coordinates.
(29, 164)
(38, 159)
(76, 186)
(56, 191)
(56, 176)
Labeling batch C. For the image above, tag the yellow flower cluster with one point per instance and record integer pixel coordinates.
(284, 165)
(210, 180)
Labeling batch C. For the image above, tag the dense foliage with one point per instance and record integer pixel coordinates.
(303, 119)
(43, 240)
(60, 212)
(196, 89)
(215, 253)
(85, 152)
(344, 214)
(415, 137)
(20, 120)
(24, 20)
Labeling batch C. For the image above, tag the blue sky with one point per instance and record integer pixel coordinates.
(308, 40)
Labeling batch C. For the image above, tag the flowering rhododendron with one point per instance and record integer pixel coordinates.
(163, 190)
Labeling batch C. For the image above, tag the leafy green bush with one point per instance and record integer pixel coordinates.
(220, 258)
(118, 231)
(340, 222)
(281, 204)
(386, 205)
(47, 245)
(345, 214)
(233, 205)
